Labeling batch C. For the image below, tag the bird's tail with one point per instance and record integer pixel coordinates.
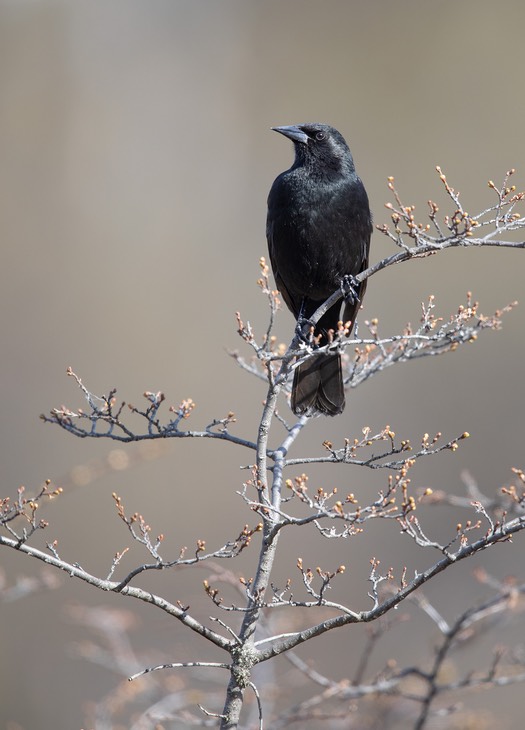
(318, 387)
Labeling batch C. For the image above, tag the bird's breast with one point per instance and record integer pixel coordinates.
(313, 240)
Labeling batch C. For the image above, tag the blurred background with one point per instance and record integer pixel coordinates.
(136, 157)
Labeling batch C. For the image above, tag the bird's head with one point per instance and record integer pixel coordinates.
(318, 145)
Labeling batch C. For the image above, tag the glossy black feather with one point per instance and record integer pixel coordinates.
(318, 229)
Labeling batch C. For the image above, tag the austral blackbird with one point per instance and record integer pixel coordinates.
(318, 228)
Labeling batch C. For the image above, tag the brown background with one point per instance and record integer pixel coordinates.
(135, 160)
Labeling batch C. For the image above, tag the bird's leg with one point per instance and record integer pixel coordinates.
(303, 327)
(304, 331)
(350, 289)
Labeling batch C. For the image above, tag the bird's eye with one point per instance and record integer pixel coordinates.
(320, 136)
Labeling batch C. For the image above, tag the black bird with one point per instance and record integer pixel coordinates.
(318, 228)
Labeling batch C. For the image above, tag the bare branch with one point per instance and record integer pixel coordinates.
(280, 501)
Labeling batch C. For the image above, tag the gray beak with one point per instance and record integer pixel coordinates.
(293, 132)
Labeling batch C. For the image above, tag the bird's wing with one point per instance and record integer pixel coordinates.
(293, 305)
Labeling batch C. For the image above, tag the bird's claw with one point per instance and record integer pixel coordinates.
(350, 289)
(304, 330)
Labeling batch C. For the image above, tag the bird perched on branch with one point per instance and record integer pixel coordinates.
(318, 228)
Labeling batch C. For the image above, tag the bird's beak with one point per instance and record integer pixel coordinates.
(294, 133)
